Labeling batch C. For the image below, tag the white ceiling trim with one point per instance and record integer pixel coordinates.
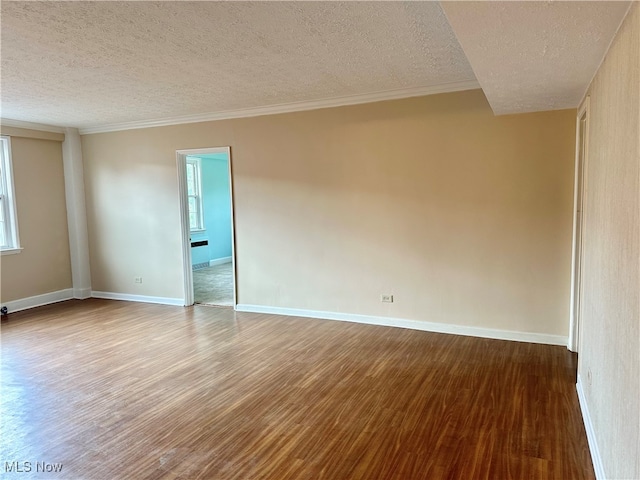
(287, 107)
(8, 122)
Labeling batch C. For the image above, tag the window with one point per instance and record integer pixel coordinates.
(9, 242)
(194, 194)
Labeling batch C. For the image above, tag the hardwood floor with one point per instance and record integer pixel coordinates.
(118, 390)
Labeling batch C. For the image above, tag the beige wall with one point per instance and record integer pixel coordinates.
(609, 358)
(44, 265)
(463, 216)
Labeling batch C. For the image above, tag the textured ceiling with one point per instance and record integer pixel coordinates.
(86, 64)
(89, 64)
(531, 56)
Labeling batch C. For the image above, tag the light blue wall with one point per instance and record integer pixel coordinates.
(217, 205)
(216, 209)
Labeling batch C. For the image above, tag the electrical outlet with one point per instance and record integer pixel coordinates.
(386, 298)
(138, 280)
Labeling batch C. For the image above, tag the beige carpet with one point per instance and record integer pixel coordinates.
(214, 285)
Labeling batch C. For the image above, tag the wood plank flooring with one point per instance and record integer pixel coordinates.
(119, 390)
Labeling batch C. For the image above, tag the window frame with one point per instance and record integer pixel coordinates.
(9, 225)
(196, 162)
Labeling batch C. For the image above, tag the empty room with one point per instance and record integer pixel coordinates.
(320, 240)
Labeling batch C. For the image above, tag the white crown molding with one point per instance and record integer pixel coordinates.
(8, 122)
(287, 107)
(435, 327)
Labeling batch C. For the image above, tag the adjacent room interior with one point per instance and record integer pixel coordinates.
(208, 182)
(422, 219)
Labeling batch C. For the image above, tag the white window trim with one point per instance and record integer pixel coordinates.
(10, 205)
(198, 168)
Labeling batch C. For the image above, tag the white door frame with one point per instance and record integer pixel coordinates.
(181, 159)
(579, 211)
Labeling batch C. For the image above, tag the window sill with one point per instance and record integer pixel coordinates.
(198, 230)
(11, 251)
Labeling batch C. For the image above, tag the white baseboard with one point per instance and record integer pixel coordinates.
(596, 459)
(138, 298)
(82, 293)
(219, 261)
(412, 324)
(39, 300)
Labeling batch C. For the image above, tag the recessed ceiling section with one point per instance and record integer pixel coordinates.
(86, 64)
(532, 56)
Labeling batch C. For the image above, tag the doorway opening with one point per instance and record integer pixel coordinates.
(582, 136)
(207, 224)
